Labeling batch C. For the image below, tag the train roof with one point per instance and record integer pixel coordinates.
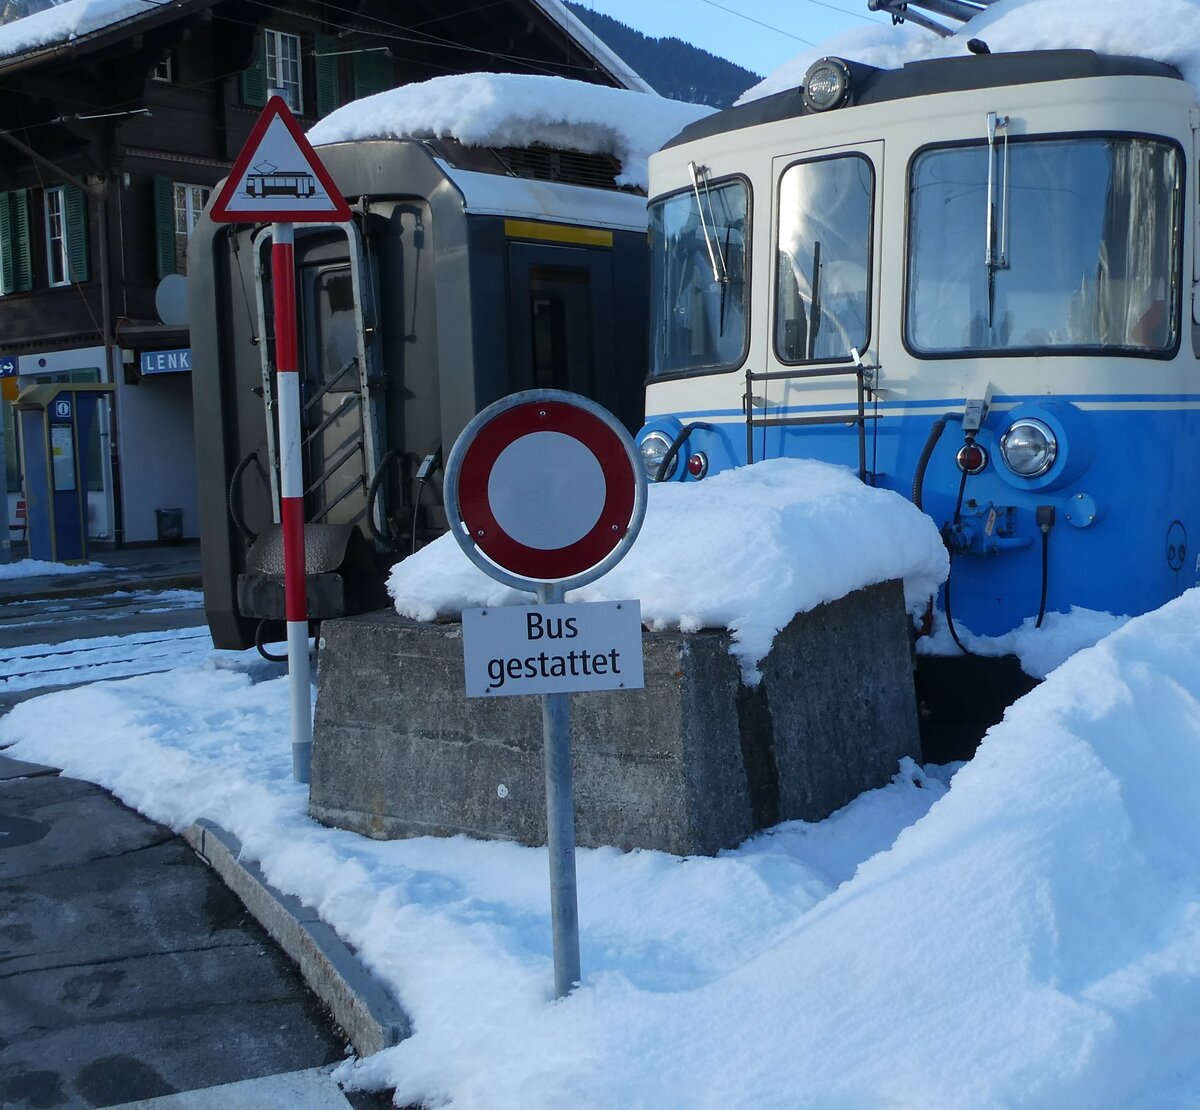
(925, 78)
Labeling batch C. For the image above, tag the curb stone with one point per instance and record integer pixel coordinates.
(358, 1001)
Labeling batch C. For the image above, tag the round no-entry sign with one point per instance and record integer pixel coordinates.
(544, 486)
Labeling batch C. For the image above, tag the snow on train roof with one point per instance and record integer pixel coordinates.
(518, 110)
(1162, 30)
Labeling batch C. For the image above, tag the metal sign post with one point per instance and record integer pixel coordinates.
(257, 190)
(544, 493)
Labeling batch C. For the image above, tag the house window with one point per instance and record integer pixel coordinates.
(56, 236)
(283, 67)
(165, 70)
(189, 202)
(66, 235)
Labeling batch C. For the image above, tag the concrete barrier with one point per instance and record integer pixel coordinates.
(693, 763)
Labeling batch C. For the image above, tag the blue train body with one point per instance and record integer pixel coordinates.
(967, 279)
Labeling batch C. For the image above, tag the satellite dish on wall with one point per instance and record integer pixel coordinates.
(170, 300)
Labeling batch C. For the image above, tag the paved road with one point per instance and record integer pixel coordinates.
(127, 968)
(129, 973)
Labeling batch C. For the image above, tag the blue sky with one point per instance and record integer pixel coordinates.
(728, 28)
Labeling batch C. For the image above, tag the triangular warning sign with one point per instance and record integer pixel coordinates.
(278, 177)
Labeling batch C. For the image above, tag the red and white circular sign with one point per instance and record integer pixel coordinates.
(546, 485)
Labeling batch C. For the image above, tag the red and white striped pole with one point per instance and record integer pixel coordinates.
(291, 500)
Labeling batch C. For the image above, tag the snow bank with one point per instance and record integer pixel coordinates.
(1030, 938)
(1164, 30)
(746, 549)
(36, 568)
(67, 21)
(509, 109)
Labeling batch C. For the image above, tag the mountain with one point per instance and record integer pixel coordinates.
(672, 67)
(19, 9)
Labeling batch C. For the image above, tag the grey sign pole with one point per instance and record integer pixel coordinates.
(556, 719)
(560, 826)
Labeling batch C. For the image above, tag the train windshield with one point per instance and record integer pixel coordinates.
(823, 259)
(1045, 244)
(698, 279)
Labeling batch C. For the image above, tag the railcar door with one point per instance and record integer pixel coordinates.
(562, 322)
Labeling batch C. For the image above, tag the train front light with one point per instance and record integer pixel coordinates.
(1028, 448)
(653, 449)
(826, 85)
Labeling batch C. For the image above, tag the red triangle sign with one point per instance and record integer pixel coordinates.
(278, 177)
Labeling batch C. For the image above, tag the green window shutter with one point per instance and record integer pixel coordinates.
(164, 224)
(254, 79)
(324, 47)
(7, 269)
(372, 73)
(77, 233)
(22, 242)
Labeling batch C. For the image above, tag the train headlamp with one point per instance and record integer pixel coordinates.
(653, 449)
(1028, 448)
(826, 85)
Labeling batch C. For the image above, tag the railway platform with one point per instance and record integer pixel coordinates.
(149, 566)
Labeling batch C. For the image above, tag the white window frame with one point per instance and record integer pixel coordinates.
(165, 70)
(187, 204)
(55, 209)
(284, 69)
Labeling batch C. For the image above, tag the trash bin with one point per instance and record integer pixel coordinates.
(170, 525)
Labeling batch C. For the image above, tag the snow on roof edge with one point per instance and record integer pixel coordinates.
(594, 45)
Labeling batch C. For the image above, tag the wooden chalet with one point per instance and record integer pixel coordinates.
(111, 140)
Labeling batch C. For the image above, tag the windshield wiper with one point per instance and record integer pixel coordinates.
(708, 224)
(996, 258)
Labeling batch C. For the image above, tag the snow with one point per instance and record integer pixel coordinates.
(1029, 936)
(509, 109)
(67, 21)
(1163, 30)
(810, 533)
(36, 568)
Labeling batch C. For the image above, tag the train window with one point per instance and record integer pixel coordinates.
(698, 304)
(823, 259)
(1085, 247)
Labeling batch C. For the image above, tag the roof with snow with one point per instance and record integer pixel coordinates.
(518, 110)
(74, 22)
(1161, 30)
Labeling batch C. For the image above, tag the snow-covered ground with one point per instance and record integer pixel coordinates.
(1027, 936)
(36, 568)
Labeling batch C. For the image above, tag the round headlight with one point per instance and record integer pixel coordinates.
(653, 449)
(1028, 448)
(826, 84)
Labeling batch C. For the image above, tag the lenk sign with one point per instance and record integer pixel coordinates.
(551, 649)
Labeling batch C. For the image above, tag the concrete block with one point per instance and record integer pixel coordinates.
(693, 763)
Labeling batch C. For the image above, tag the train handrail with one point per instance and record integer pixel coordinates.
(863, 374)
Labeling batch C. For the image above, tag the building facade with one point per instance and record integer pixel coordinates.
(112, 139)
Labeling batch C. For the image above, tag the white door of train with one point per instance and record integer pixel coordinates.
(823, 307)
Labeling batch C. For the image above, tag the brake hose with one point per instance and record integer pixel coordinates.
(664, 467)
(260, 635)
(380, 470)
(248, 536)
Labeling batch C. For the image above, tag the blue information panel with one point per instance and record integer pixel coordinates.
(8, 366)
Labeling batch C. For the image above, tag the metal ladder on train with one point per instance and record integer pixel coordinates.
(901, 10)
(864, 377)
(355, 402)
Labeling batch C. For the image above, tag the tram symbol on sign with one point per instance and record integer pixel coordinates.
(267, 181)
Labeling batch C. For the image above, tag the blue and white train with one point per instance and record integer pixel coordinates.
(969, 279)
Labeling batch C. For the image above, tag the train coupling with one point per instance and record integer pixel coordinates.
(985, 530)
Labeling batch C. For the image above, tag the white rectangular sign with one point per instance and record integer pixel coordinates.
(553, 649)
